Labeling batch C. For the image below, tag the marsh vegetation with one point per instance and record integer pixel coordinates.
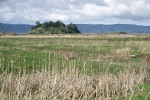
(75, 67)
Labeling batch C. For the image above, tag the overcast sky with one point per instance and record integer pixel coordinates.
(76, 11)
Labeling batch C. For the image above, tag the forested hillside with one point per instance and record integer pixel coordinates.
(53, 28)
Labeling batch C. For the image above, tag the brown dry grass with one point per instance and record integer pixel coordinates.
(70, 85)
(123, 53)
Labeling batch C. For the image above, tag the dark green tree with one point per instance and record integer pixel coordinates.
(60, 24)
(73, 27)
(37, 25)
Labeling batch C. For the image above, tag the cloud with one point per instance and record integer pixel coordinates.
(82, 2)
(76, 11)
(137, 8)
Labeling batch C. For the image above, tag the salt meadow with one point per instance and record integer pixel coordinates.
(100, 67)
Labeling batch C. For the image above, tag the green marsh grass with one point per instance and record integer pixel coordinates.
(76, 67)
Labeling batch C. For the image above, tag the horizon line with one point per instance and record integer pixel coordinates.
(81, 24)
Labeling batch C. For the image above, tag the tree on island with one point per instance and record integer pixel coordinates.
(51, 27)
(72, 26)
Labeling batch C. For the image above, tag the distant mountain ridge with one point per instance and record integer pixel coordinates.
(15, 28)
(101, 28)
(83, 28)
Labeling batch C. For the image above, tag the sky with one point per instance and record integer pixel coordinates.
(76, 11)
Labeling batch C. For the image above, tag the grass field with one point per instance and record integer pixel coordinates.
(75, 67)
